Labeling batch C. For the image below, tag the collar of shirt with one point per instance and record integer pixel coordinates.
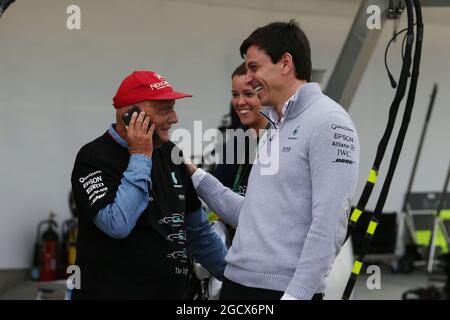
(113, 133)
(273, 115)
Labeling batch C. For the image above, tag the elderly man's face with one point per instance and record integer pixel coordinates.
(162, 114)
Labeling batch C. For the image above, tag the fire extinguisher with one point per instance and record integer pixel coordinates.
(68, 244)
(46, 251)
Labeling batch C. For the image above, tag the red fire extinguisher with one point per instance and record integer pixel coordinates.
(48, 255)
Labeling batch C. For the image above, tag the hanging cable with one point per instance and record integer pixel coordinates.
(374, 219)
(391, 77)
(4, 4)
(382, 145)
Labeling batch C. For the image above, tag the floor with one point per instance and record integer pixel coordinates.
(31, 290)
(392, 287)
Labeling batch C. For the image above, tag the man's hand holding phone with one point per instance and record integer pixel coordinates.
(140, 135)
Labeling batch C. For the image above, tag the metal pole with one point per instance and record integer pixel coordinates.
(436, 223)
(355, 54)
(419, 149)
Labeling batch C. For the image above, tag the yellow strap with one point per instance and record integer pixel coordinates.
(371, 228)
(357, 267)
(212, 216)
(372, 176)
(355, 215)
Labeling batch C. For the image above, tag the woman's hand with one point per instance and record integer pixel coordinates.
(191, 168)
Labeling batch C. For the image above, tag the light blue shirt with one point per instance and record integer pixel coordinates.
(118, 218)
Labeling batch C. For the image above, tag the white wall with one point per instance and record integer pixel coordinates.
(57, 85)
(370, 111)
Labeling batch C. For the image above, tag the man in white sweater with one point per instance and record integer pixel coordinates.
(293, 221)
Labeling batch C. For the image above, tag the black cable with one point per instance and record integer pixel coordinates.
(382, 145)
(403, 46)
(398, 144)
(4, 4)
(408, 110)
(391, 78)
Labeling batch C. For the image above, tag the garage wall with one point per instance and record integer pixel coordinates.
(370, 111)
(57, 85)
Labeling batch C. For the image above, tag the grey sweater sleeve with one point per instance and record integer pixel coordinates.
(334, 172)
(219, 198)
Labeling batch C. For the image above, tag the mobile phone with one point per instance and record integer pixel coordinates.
(127, 115)
(127, 118)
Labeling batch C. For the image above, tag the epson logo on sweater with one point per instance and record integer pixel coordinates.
(92, 181)
(93, 185)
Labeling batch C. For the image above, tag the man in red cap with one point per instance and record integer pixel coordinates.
(154, 95)
(140, 219)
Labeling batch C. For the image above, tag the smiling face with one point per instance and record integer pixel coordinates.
(263, 75)
(245, 102)
(162, 114)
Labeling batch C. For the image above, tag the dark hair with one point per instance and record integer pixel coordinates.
(278, 38)
(235, 122)
(241, 70)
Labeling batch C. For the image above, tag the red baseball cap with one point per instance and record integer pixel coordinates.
(144, 85)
